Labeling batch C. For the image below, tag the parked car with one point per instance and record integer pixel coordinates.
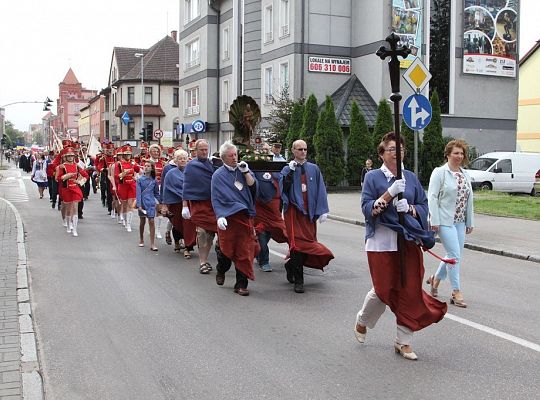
(510, 172)
(536, 186)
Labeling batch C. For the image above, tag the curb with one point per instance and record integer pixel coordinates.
(469, 246)
(32, 382)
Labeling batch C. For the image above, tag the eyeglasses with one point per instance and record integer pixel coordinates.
(303, 149)
(393, 150)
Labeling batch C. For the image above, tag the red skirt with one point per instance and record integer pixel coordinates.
(127, 190)
(239, 242)
(303, 238)
(413, 307)
(202, 215)
(71, 193)
(269, 219)
(186, 227)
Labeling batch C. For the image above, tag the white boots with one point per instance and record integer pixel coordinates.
(129, 218)
(74, 225)
(69, 224)
(158, 220)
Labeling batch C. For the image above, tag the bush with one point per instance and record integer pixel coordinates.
(433, 143)
(295, 126)
(309, 125)
(359, 145)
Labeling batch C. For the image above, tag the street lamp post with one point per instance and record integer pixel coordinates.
(141, 56)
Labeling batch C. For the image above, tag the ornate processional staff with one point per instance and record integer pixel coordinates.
(393, 66)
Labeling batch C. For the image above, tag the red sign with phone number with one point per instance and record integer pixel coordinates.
(329, 65)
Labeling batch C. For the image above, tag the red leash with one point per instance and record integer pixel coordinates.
(445, 260)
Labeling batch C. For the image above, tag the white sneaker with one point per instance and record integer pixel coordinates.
(65, 223)
(158, 235)
(121, 221)
(128, 228)
(75, 233)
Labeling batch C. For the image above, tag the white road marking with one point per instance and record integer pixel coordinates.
(475, 325)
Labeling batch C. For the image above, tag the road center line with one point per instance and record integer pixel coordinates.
(475, 325)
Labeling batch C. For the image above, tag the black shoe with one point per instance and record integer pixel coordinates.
(53, 205)
(290, 272)
(220, 279)
(81, 217)
(298, 287)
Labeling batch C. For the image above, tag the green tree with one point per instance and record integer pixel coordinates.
(408, 137)
(439, 50)
(328, 141)
(383, 123)
(280, 116)
(13, 135)
(433, 143)
(359, 145)
(295, 125)
(309, 125)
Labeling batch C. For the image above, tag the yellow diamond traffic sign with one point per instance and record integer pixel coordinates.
(417, 75)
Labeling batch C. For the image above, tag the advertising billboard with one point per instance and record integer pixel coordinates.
(490, 37)
(407, 23)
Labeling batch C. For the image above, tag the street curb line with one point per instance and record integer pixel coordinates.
(31, 379)
(469, 246)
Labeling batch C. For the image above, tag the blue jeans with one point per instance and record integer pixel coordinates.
(453, 240)
(264, 255)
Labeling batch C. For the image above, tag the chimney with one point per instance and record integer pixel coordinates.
(173, 35)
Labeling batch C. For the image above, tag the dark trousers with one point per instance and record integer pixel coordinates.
(52, 188)
(86, 189)
(224, 264)
(296, 263)
(80, 206)
(106, 195)
(177, 236)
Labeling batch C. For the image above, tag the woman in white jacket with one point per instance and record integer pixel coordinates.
(450, 200)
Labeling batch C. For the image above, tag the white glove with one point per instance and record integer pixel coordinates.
(323, 218)
(222, 223)
(292, 165)
(243, 166)
(397, 187)
(185, 213)
(401, 205)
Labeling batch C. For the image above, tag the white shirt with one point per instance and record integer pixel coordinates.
(384, 239)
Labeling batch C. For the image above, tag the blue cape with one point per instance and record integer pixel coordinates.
(166, 169)
(267, 190)
(172, 186)
(197, 180)
(375, 184)
(316, 191)
(226, 198)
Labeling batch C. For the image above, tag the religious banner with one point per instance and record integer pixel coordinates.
(407, 23)
(490, 37)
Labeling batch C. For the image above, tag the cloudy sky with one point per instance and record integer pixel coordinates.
(40, 40)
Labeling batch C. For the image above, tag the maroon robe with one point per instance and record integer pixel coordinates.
(268, 218)
(413, 307)
(186, 227)
(202, 215)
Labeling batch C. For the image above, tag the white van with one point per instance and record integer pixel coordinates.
(505, 171)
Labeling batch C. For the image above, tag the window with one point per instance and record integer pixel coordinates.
(268, 24)
(177, 134)
(192, 10)
(225, 96)
(268, 77)
(192, 101)
(175, 95)
(284, 18)
(192, 54)
(148, 95)
(131, 95)
(505, 166)
(131, 131)
(226, 54)
(284, 75)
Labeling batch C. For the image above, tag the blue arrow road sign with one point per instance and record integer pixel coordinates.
(417, 112)
(126, 118)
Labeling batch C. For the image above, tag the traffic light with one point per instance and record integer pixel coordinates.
(3, 140)
(47, 104)
(142, 135)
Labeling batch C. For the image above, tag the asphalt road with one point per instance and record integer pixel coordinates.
(116, 321)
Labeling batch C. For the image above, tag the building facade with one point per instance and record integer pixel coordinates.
(143, 85)
(260, 47)
(71, 98)
(528, 131)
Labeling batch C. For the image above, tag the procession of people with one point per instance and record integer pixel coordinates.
(218, 202)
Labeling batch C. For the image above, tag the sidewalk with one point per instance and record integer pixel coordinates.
(19, 377)
(510, 237)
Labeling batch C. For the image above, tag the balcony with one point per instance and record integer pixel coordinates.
(284, 31)
(192, 63)
(225, 54)
(268, 37)
(194, 110)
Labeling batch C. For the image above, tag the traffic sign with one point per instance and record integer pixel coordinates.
(417, 75)
(417, 112)
(198, 126)
(158, 133)
(126, 118)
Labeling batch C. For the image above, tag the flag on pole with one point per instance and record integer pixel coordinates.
(94, 147)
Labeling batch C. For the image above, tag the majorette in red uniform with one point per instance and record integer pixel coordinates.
(103, 163)
(118, 152)
(125, 171)
(143, 155)
(56, 162)
(69, 176)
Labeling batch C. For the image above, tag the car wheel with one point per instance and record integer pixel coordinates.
(486, 186)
